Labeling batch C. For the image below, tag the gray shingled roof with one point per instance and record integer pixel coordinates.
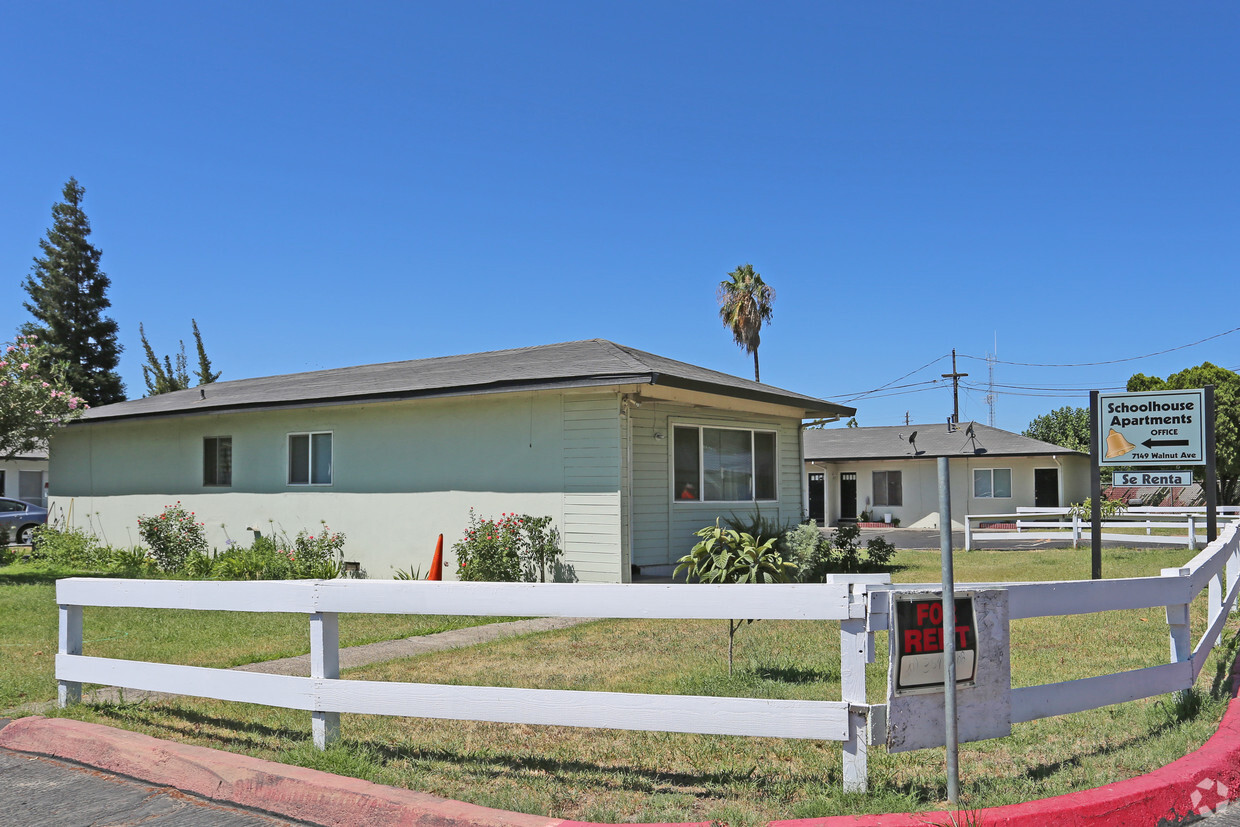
(591, 363)
(891, 442)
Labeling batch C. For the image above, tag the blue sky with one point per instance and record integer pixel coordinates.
(321, 185)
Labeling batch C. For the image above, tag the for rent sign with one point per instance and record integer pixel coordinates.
(919, 642)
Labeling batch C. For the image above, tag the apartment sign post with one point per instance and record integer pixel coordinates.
(1172, 427)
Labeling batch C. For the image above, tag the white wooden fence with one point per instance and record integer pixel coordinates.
(1061, 524)
(861, 604)
(326, 695)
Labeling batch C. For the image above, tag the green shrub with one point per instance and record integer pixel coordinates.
(1110, 508)
(134, 562)
(68, 546)
(490, 549)
(762, 529)
(541, 547)
(318, 556)
(725, 555)
(172, 535)
(513, 548)
(817, 556)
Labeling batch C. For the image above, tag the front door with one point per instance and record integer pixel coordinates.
(1046, 487)
(848, 497)
(818, 498)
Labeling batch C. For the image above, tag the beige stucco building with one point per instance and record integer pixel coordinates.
(627, 451)
(881, 471)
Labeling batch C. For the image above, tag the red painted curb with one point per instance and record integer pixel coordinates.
(291, 792)
(1167, 795)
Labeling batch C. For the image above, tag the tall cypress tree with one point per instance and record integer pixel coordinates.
(68, 294)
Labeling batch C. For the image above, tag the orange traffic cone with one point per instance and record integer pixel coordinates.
(436, 572)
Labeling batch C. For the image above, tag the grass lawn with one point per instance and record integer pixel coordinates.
(603, 775)
(220, 639)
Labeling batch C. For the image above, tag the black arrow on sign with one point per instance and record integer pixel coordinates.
(1150, 443)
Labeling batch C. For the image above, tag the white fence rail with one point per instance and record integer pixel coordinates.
(326, 695)
(860, 603)
(1061, 524)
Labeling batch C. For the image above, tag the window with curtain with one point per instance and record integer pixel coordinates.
(723, 464)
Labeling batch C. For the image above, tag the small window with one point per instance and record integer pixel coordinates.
(888, 488)
(992, 483)
(310, 459)
(723, 464)
(217, 460)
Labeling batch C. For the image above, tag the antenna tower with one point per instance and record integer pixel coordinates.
(990, 390)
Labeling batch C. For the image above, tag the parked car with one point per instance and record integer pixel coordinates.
(20, 519)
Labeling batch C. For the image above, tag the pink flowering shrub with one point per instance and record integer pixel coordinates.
(173, 535)
(318, 556)
(490, 549)
(32, 405)
(513, 548)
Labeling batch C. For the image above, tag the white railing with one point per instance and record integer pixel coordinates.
(861, 604)
(1216, 569)
(1061, 524)
(326, 695)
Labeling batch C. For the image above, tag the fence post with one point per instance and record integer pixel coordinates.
(1192, 533)
(1216, 593)
(852, 689)
(70, 692)
(968, 532)
(325, 664)
(1177, 620)
(1076, 530)
(1233, 570)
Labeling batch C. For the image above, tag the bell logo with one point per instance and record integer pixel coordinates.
(1209, 790)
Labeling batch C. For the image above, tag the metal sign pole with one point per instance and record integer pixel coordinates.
(1211, 470)
(1095, 487)
(949, 631)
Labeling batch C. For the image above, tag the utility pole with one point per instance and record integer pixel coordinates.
(955, 377)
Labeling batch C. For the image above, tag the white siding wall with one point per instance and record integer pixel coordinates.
(592, 482)
(663, 526)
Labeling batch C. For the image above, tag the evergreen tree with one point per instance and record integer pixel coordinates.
(162, 378)
(68, 294)
(205, 375)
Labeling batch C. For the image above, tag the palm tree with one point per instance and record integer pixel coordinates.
(744, 304)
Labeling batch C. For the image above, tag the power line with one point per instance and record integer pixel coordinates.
(1109, 361)
(897, 379)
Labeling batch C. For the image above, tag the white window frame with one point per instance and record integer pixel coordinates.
(701, 475)
(991, 473)
(288, 459)
(216, 437)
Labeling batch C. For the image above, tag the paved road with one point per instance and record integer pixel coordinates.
(44, 792)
